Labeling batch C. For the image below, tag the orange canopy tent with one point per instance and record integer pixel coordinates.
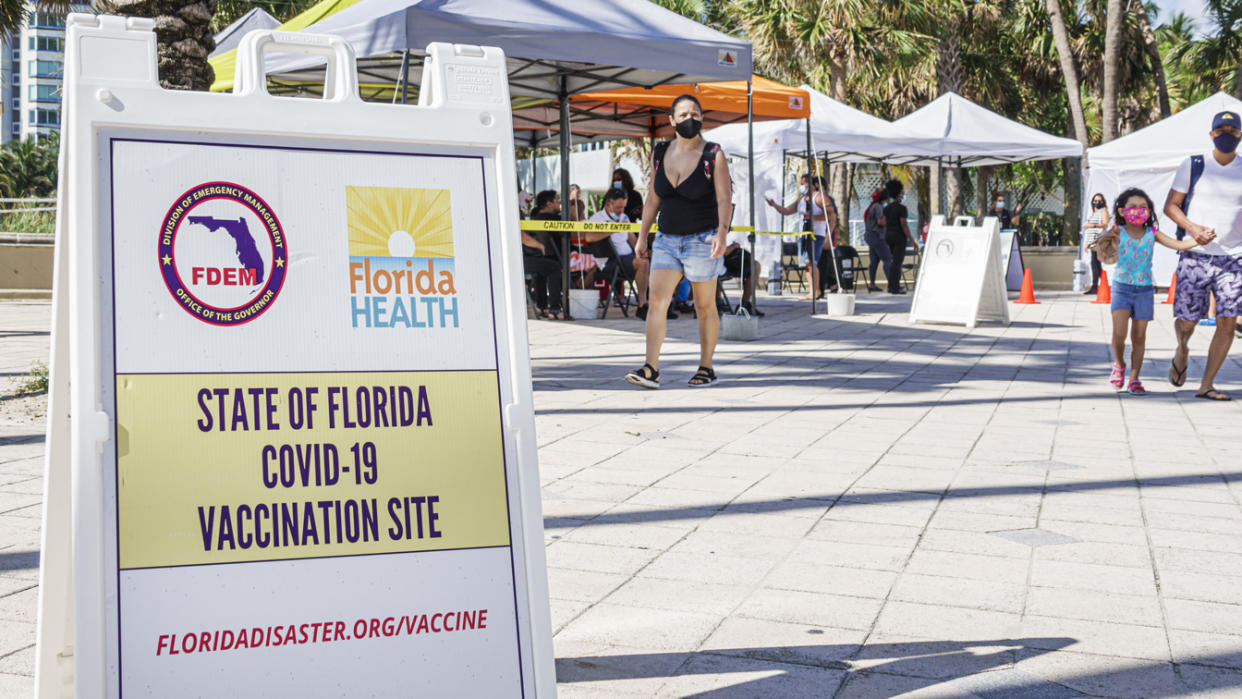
(641, 112)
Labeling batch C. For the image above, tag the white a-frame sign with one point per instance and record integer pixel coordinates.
(962, 279)
(291, 449)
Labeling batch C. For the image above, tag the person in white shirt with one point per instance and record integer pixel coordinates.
(623, 242)
(1214, 268)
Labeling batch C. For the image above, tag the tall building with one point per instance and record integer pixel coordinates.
(32, 75)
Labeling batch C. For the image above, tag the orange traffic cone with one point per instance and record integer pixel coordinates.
(1104, 294)
(1172, 290)
(1028, 289)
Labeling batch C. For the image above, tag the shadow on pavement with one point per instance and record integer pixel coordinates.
(19, 560)
(879, 497)
(974, 668)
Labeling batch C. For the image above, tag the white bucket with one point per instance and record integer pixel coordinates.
(583, 303)
(740, 326)
(840, 304)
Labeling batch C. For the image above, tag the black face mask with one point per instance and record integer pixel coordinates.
(1097, 205)
(689, 128)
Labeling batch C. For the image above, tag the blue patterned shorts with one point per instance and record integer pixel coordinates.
(689, 254)
(1197, 275)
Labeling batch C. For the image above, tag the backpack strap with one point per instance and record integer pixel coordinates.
(1196, 171)
(657, 156)
(708, 159)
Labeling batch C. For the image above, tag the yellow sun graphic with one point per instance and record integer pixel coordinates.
(399, 222)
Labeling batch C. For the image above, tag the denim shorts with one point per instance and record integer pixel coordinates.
(1138, 300)
(817, 248)
(689, 254)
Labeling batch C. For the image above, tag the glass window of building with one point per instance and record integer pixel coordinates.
(51, 69)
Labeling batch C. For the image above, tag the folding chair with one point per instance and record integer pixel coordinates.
(910, 270)
(851, 267)
(617, 282)
(791, 266)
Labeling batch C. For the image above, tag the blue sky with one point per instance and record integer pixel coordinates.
(1192, 8)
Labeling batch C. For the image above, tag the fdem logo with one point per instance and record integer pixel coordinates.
(222, 253)
(401, 262)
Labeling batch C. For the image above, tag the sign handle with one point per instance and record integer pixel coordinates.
(340, 83)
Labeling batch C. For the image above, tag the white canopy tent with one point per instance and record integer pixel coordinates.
(553, 49)
(1148, 159)
(231, 36)
(835, 132)
(970, 136)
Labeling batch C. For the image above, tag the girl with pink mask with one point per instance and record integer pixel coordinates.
(1133, 295)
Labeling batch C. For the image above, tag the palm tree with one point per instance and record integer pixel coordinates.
(1153, 51)
(1215, 58)
(1112, 61)
(1069, 71)
(183, 37)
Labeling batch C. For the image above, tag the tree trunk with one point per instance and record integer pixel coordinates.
(1072, 221)
(982, 196)
(1153, 52)
(1068, 70)
(182, 35)
(949, 75)
(1237, 85)
(1112, 69)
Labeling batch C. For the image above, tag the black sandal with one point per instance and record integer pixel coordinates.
(1177, 377)
(703, 377)
(645, 376)
(1213, 394)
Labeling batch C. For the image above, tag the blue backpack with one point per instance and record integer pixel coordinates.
(1196, 171)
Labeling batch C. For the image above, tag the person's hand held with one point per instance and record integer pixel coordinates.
(719, 245)
(642, 249)
(1202, 234)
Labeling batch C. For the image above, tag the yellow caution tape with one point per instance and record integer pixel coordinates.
(609, 227)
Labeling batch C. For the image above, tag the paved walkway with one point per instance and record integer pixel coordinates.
(860, 509)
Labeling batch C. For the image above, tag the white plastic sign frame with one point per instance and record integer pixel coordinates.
(1011, 260)
(319, 210)
(961, 280)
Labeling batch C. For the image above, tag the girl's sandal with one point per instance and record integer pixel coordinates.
(1118, 377)
(703, 377)
(1136, 388)
(645, 376)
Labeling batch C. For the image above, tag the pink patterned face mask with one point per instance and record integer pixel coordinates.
(1137, 215)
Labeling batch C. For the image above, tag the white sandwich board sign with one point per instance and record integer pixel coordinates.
(301, 456)
(962, 280)
(1011, 260)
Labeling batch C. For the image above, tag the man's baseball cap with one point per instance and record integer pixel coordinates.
(1226, 119)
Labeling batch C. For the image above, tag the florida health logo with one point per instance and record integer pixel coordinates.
(401, 258)
(222, 253)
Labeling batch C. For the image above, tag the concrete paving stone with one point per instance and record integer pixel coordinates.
(711, 568)
(958, 592)
(1035, 538)
(947, 623)
(657, 496)
(679, 595)
(954, 564)
(869, 685)
(568, 508)
(659, 536)
(1212, 562)
(878, 514)
(564, 611)
(1013, 684)
(865, 533)
(620, 560)
(1097, 676)
(19, 606)
(768, 524)
(1090, 532)
(1194, 523)
(21, 483)
(1206, 649)
(717, 676)
(1075, 575)
(1201, 587)
(586, 668)
(578, 585)
(934, 658)
(726, 486)
(1203, 682)
(578, 488)
(16, 686)
(977, 522)
(735, 544)
(871, 556)
(1094, 514)
(20, 662)
(663, 630)
(831, 579)
(778, 641)
(15, 635)
(1212, 617)
(1095, 637)
(1094, 552)
(1101, 605)
(11, 503)
(810, 609)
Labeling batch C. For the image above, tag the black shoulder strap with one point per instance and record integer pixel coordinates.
(708, 158)
(1196, 171)
(657, 154)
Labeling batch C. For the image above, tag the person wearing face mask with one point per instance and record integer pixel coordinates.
(622, 243)
(622, 181)
(693, 196)
(1205, 201)
(1097, 222)
(1007, 220)
(1132, 290)
(897, 233)
(816, 208)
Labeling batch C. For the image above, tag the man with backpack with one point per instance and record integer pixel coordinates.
(1206, 197)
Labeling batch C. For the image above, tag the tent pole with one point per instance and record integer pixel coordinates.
(831, 238)
(750, 168)
(405, 77)
(810, 214)
(565, 238)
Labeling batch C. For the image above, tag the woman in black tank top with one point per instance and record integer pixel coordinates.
(691, 192)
